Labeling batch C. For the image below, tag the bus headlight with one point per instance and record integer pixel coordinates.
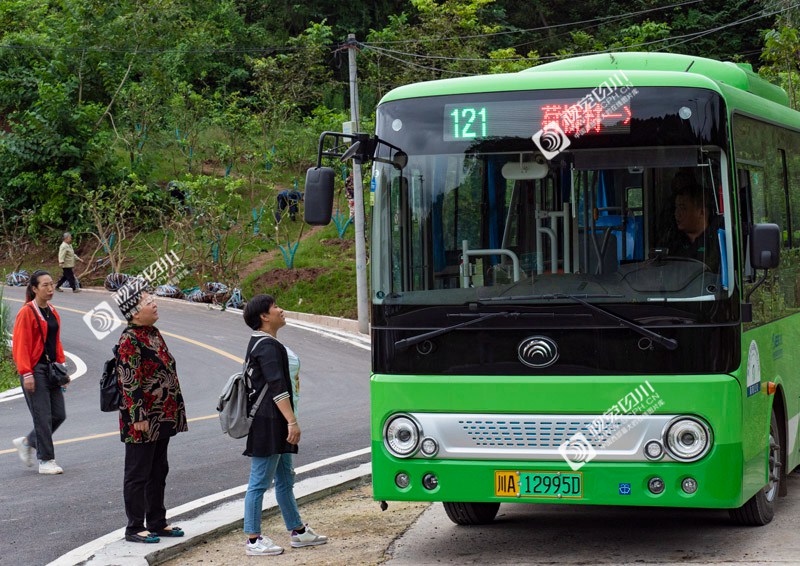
(687, 439)
(401, 436)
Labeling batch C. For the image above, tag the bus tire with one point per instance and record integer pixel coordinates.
(471, 513)
(760, 509)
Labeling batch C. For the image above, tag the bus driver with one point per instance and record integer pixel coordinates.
(696, 237)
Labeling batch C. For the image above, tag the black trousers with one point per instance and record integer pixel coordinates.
(46, 405)
(146, 470)
(69, 277)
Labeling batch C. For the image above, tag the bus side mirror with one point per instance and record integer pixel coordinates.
(765, 253)
(765, 246)
(319, 196)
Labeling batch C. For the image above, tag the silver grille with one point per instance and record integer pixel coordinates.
(533, 433)
(538, 437)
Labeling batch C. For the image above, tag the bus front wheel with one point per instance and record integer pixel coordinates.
(471, 513)
(760, 509)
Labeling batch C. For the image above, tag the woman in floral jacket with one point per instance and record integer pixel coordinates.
(152, 412)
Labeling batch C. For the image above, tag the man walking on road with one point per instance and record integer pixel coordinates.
(66, 260)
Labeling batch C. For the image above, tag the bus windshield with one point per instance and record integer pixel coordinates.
(637, 210)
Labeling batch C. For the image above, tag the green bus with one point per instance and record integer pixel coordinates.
(584, 287)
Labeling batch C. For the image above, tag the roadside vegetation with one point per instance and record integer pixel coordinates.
(148, 127)
(8, 371)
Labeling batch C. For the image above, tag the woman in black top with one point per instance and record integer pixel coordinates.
(275, 433)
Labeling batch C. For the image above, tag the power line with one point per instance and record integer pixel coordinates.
(685, 37)
(458, 73)
(540, 28)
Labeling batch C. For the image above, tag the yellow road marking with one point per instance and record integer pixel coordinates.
(177, 336)
(104, 435)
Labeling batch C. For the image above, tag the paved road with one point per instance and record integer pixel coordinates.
(45, 516)
(571, 534)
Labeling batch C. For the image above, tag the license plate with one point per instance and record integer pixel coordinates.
(556, 485)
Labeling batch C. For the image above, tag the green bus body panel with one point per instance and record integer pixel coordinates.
(780, 360)
(641, 69)
(716, 398)
(546, 81)
(739, 77)
(740, 101)
(473, 481)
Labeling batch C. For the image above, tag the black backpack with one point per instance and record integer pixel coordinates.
(110, 396)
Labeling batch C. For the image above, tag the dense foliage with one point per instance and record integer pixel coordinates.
(101, 98)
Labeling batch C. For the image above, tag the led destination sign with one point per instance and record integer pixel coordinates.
(522, 118)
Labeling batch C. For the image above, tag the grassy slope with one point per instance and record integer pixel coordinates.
(330, 293)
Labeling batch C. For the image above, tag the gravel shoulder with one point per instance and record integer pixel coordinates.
(359, 533)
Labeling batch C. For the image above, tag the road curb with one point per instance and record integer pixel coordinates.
(219, 521)
(164, 554)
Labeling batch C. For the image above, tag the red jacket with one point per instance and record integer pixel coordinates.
(28, 345)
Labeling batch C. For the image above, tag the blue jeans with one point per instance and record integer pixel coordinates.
(262, 471)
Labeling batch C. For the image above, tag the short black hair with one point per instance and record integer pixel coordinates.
(255, 307)
(685, 184)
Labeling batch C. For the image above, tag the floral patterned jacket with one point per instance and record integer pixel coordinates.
(149, 384)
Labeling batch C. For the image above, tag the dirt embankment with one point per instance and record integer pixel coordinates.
(359, 533)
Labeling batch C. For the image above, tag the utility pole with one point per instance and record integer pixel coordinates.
(362, 300)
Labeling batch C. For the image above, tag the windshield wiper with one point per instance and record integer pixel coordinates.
(406, 342)
(668, 343)
(476, 317)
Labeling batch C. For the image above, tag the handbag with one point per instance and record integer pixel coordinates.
(57, 374)
(110, 395)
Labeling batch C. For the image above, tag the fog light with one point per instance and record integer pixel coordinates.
(689, 485)
(653, 450)
(429, 447)
(402, 480)
(430, 482)
(656, 486)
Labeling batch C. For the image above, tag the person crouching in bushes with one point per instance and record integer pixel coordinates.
(152, 412)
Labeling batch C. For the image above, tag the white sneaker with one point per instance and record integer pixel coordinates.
(308, 538)
(263, 547)
(49, 467)
(25, 452)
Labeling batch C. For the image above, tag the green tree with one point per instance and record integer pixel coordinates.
(782, 53)
(189, 114)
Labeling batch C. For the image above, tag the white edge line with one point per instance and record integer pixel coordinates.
(80, 367)
(16, 392)
(342, 336)
(327, 332)
(86, 551)
(11, 394)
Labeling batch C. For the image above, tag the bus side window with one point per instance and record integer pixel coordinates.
(746, 219)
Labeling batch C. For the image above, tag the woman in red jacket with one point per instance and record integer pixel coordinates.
(36, 338)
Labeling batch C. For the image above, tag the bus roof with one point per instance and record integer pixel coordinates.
(642, 69)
